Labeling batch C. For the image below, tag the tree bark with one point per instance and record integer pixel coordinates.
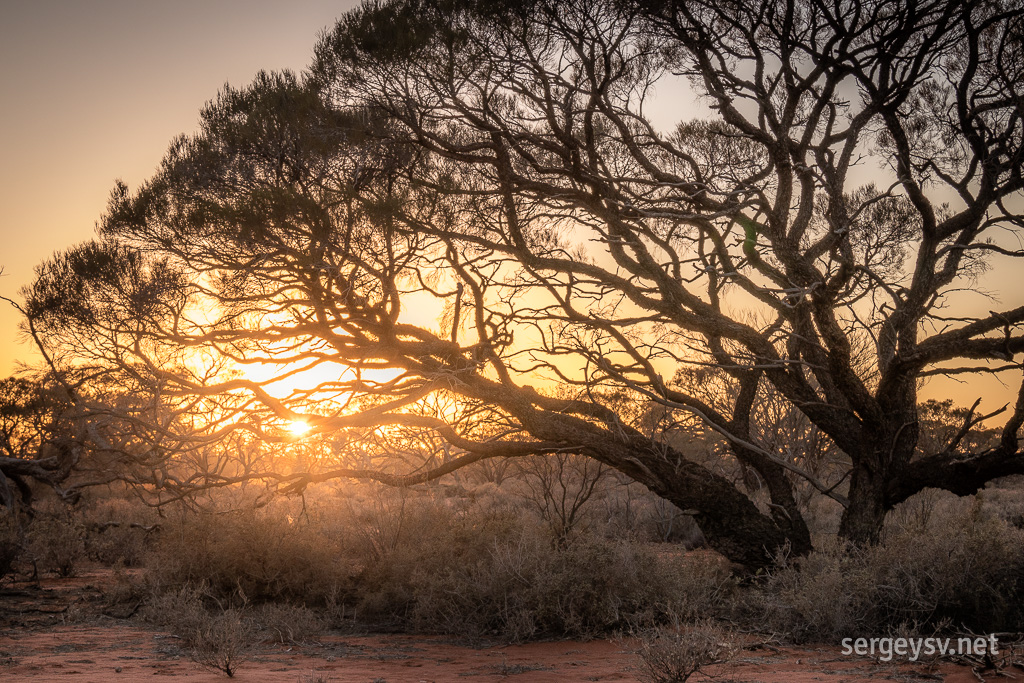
(864, 517)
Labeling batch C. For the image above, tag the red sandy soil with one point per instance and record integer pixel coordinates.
(38, 644)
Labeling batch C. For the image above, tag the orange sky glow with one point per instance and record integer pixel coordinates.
(95, 91)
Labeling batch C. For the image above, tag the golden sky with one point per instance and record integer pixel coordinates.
(94, 90)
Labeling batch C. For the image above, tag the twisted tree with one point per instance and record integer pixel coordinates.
(460, 236)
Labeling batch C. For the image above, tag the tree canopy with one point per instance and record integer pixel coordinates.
(459, 235)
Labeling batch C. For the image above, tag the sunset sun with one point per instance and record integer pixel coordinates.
(298, 427)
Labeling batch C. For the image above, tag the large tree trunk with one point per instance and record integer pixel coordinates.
(864, 517)
(731, 523)
(877, 466)
(729, 520)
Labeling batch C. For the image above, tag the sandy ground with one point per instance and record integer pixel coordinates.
(37, 643)
(108, 652)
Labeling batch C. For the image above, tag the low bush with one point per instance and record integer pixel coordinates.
(447, 565)
(181, 610)
(222, 641)
(56, 543)
(10, 541)
(958, 565)
(483, 564)
(674, 655)
(491, 574)
(965, 567)
(284, 623)
(249, 556)
(119, 531)
(216, 638)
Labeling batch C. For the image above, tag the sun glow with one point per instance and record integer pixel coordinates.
(298, 427)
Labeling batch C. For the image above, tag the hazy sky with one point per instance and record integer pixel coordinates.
(94, 90)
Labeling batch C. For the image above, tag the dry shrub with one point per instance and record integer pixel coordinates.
(124, 593)
(428, 538)
(698, 584)
(461, 565)
(118, 546)
(56, 543)
(181, 610)
(120, 531)
(214, 637)
(965, 566)
(674, 655)
(188, 610)
(560, 488)
(522, 588)
(489, 573)
(286, 623)
(956, 565)
(257, 556)
(824, 596)
(223, 641)
(1005, 497)
(10, 541)
(378, 521)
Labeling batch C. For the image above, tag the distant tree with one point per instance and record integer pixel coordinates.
(462, 223)
(947, 428)
(34, 447)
